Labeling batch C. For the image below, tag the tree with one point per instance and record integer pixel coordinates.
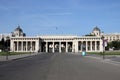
(2, 44)
(114, 44)
(110, 44)
(5, 44)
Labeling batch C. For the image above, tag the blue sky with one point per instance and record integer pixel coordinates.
(77, 17)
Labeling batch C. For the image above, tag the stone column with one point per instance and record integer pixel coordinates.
(17, 45)
(75, 46)
(101, 46)
(12, 45)
(91, 45)
(22, 46)
(95, 46)
(36, 45)
(66, 46)
(46, 46)
(40, 46)
(81, 46)
(86, 46)
(53, 47)
(26, 46)
(31, 46)
(60, 47)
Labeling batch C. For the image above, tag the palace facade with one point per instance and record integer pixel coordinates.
(55, 43)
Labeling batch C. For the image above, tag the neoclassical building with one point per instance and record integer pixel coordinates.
(112, 36)
(56, 43)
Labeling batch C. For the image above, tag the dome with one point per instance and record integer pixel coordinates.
(18, 32)
(96, 29)
(18, 29)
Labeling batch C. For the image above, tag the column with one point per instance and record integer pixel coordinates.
(40, 46)
(95, 46)
(101, 46)
(73, 47)
(81, 46)
(22, 46)
(26, 46)
(31, 46)
(66, 46)
(12, 45)
(53, 47)
(86, 46)
(76, 46)
(91, 45)
(60, 47)
(17, 45)
(46, 46)
(36, 45)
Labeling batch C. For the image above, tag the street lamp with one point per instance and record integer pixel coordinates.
(103, 44)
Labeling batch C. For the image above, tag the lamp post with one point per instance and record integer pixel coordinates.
(103, 44)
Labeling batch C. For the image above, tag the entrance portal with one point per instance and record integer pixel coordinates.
(56, 47)
(69, 46)
(63, 46)
(50, 47)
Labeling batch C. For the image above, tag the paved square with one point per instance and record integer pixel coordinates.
(59, 66)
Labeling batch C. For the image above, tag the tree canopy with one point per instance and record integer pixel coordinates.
(4, 44)
(114, 45)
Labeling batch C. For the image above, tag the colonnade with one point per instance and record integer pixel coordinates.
(56, 46)
(24, 46)
(78, 46)
(89, 46)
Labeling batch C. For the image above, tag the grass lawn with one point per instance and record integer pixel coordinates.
(98, 53)
(12, 53)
